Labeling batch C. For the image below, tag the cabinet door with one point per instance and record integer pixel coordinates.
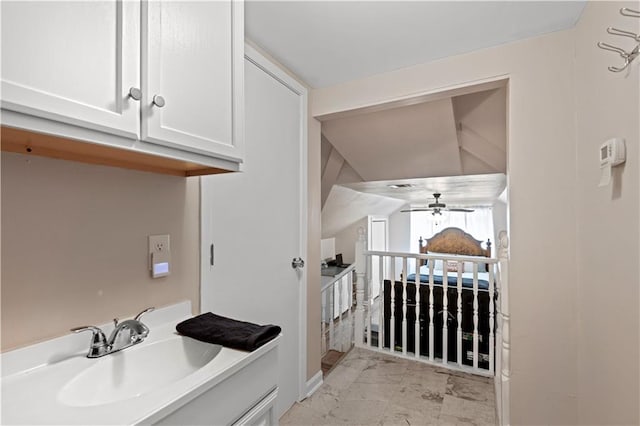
(73, 62)
(192, 55)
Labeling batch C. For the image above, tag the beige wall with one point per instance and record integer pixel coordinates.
(607, 105)
(74, 245)
(541, 167)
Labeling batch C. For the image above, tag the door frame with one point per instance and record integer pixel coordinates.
(273, 70)
(370, 220)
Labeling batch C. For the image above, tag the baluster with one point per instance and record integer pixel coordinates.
(360, 267)
(404, 305)
(369, 294)
(475, 316)
(445, 313)
(323, 326)
(491, 336)
(380, 305)
(350, 312)
(416, 332)
(392, 318)
(340, 326)
(332, 336)
(431, 327)
(459, 317)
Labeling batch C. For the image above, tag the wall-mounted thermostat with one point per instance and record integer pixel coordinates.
(612, 153)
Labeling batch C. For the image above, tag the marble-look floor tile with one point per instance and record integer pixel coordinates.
(355, 362)
(342, 377)
(372, 388)
(380, 375)
(299, 415)
(324, 399)
(481, 413)
(448, 420)
(357, 412)
(426, 377)
(421, 400)
(465, 375)
(370, 391)
(472, 390)
(406, 416)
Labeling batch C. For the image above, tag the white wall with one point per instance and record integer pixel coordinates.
(346, 240)
(400, 231)
(400, 236)
(541, 120)
(607, 105)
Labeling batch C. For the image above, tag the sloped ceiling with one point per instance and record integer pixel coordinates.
(413, 141)
(452, 145)
(453, 136)
(344, 207)
(331, 42)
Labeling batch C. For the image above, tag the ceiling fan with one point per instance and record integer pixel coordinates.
(436, 207)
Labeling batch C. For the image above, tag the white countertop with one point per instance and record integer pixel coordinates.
(33, 377)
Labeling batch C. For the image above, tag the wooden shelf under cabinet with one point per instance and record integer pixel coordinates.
(31, 143)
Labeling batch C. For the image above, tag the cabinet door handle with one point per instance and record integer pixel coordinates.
(158, 101)
(135, 94)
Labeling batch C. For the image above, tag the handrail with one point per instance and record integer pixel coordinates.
(480, 259)
(350, 268)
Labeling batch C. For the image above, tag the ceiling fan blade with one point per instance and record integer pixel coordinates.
(417, 209)
(461, 210)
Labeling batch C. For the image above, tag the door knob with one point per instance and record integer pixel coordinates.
(297, 263)
(158, 101)
(135, 93)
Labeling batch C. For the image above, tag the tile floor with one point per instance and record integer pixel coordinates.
(369, 388)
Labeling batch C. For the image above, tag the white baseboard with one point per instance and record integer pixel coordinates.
(313, 384)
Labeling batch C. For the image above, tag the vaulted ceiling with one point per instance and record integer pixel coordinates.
(455, 145)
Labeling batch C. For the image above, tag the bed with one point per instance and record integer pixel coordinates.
(450, 241)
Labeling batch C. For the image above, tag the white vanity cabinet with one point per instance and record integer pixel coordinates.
(167, 379)
(163, 73)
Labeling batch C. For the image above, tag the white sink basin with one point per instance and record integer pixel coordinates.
(136, 370)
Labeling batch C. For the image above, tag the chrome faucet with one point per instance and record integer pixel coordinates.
(126, 333)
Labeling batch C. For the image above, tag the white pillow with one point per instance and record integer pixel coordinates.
(438, 263)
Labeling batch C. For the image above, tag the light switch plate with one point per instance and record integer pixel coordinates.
(158, 246)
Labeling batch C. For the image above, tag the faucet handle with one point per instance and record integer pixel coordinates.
(98, 340)
(137, 318)
(86, 328)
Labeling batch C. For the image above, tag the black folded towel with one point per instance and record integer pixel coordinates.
(212, 328)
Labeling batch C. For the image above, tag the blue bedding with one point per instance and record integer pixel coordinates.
(452, 280)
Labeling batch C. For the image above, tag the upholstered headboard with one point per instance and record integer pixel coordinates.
(455, 241)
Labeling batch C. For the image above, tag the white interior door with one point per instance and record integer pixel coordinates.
(256, 220)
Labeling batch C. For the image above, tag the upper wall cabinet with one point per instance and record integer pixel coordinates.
(73, 62)
(165, 74)
(188, 75)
